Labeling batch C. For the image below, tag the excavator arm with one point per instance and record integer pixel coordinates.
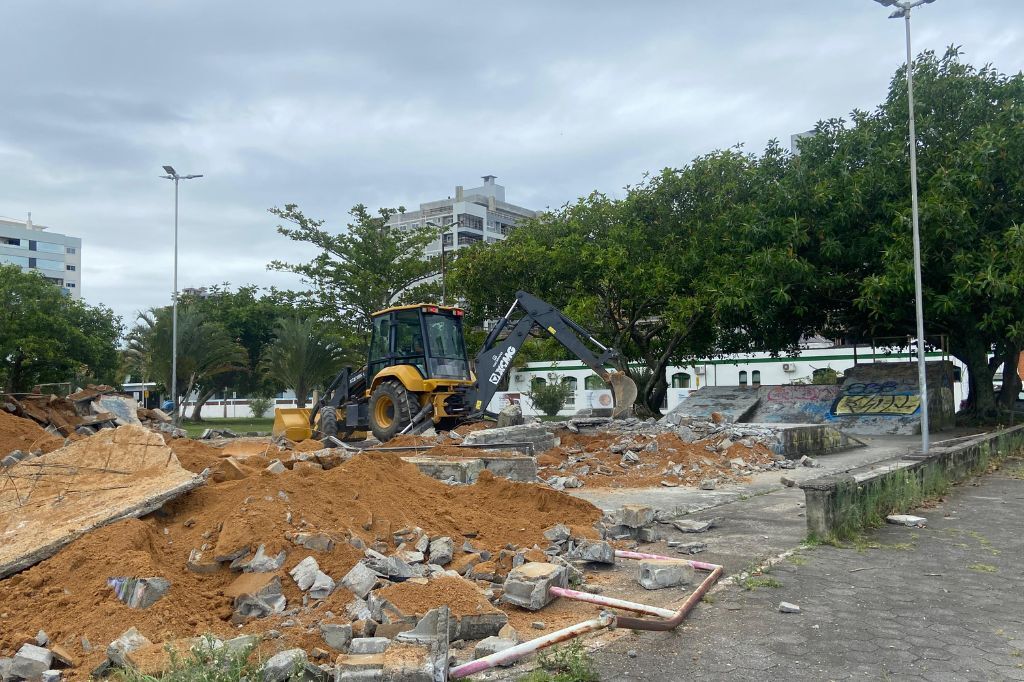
(495, 358)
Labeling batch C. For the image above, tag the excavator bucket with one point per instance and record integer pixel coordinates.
(293, 423)
(625, 392)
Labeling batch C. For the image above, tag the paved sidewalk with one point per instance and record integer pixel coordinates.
(944, 602)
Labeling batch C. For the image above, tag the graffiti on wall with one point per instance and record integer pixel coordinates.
(883, 398)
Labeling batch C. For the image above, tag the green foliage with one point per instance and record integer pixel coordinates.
(826, 376)
(564, 664)
(736, 252)
(236, 424)
(301, 357)
(549, 397)
(203, 663)
(260, 404)
(851, 182)
(205, 349)
(363, 269)
(46, 336)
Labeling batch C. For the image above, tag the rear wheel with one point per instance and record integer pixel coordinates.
(390, 410)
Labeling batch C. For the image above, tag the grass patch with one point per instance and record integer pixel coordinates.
(753, 582)
(196, 429)
(203, 663)
(983, 568)
(563, 664)
(797, 559)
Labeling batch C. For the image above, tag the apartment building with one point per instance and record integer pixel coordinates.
(37, 248)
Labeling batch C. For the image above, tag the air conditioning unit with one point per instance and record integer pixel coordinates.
(700, 371)
(789, 367)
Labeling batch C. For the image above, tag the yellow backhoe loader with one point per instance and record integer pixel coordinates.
(417, 373)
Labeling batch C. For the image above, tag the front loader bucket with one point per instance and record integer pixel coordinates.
(625, 392)
(293, 423)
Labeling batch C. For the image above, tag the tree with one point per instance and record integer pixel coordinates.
(550, 396)
(46, 336)
(665, 274)
(855, 182)
(367, 267)
(249, 318)
(205, 349)
(300, 357)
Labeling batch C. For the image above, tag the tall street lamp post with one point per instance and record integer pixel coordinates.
(173, 175)
(903, 12)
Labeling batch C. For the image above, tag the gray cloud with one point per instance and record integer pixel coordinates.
(327, 104)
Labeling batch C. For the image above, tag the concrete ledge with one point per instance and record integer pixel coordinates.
(467, 469)
(813, 440)
(840, 506)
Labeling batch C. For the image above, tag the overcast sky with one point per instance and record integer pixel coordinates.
(328, 103)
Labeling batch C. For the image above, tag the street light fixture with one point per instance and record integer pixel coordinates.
(903, 12)
(173, 175)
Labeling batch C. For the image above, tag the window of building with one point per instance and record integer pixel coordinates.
(70, 268)
(69, 285)
(55, 280)
(743, 378)
(14, 260)
(538, 381)
(465, 239)
(45, 264)
(72, 250)
(570, 400)
(680, 380)
(47, 247)
(594, 383)
(755, 377)
(13, 243)
(473, 222)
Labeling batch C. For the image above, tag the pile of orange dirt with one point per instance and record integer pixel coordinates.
(17, 433)
(409, 440)
(467, 429)
(371, 496)
(588, 458)
(460, 595)
(308, 445)
(194, 455)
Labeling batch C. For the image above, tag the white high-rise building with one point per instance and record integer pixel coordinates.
(473, 215)
(35, 248)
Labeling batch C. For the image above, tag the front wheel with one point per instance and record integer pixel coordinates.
(328, 422)
(390, 410)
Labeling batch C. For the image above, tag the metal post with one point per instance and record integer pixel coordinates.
(918, 288)
(443, 301)
(174, 314)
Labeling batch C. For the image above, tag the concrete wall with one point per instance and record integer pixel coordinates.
(886, 399)
(838, 506)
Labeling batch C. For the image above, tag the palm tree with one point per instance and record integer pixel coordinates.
(300, 357)
(205, 349)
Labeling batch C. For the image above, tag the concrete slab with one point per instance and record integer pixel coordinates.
(47, 502)
(734, 403)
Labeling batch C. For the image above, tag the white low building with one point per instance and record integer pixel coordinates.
(753, 369)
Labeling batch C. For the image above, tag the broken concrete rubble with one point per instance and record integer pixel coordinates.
(528, 585)
(593, 551)
(284, 665)
(538, 435)
(656, 574)
(139, 593)
(130, 640)
(29, 663)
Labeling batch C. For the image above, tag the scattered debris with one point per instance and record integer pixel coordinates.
(907, 520)
(693, 526)
(786, 607)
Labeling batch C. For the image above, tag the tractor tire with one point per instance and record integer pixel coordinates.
(328, 422)
(391, 410)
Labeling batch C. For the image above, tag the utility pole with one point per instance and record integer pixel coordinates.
(173, 175)
(904, 13)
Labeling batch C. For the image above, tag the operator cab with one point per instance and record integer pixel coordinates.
(427, 337)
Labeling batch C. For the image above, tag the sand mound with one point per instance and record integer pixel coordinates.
(370, 496)
(17, 433)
